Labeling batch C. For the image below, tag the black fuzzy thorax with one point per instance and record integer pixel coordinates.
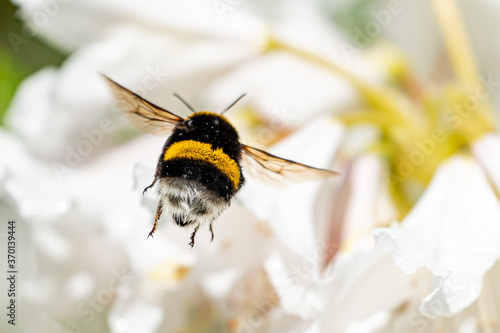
(209, 128)
(206, 128)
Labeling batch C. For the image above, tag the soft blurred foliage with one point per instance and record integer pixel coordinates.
(17, 61)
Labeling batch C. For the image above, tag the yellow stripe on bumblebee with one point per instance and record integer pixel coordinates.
(200, 151)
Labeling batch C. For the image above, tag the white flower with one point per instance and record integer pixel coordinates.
(340, 281)
(166, 48)
(299, 259)
(58, 242)
(485, 151)
(453, 231)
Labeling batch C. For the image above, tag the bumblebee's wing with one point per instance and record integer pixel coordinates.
(147, 116)
(268, 167)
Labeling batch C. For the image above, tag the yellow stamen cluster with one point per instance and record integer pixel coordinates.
(419, 126)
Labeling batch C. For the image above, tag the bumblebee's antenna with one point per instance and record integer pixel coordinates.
(185, 103)
(232, 104)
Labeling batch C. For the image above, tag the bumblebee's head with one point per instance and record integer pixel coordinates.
(213, 128)
(209, 122)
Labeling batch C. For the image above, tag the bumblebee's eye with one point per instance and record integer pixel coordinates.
(189, 123)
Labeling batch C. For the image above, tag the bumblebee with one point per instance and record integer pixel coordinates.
(200, 168)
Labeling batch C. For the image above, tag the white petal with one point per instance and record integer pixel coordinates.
(370, 324)
(70, 25)
(453, 231)
(281, 80)
(487, 152)
(362, 285)
(369, 203)
(291, 284)
(290, 211)
(138, 317)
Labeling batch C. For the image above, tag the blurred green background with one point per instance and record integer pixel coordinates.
(32, 54)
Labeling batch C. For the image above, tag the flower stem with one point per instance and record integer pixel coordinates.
(462, 58)
(277, 45)
(455, 38)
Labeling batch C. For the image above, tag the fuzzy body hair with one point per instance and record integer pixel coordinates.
(189, 203)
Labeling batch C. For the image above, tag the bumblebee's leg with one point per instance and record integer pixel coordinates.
(157, 176)
(192, 236)
(157, 217)
(152, 184)
(212, 232)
